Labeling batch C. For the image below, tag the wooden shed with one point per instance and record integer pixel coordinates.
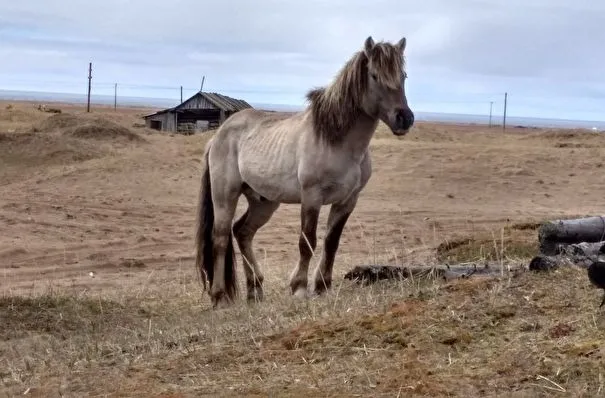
(200, 112)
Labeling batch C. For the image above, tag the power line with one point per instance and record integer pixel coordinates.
(177, 88)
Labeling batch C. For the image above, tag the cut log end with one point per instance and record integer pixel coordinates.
(543, 263)
(553, 233)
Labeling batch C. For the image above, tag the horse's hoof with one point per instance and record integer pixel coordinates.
(220, 302)
(221, 305)
(321, 287)
(300, 293)
(255, 296)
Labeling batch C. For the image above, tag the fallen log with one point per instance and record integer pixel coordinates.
(554, 233)
(368, 274)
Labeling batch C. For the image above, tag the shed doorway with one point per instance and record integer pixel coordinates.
(155, 124)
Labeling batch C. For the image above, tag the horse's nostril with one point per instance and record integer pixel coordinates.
(400, 116)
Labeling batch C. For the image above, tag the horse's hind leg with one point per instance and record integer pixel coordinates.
(339, 214)
(226, 189)
(259, 212)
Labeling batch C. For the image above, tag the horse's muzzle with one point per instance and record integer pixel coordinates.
(404, 120)
(401, 132)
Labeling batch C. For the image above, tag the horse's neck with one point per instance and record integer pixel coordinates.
(358, 137)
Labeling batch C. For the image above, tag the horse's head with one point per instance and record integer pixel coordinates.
(385, 96)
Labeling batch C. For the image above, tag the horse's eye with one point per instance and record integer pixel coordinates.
(374, 76)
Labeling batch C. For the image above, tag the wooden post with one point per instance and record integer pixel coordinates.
(89, 83)
(181, 94)
(115, 97)
(491, 104)
(504, 118)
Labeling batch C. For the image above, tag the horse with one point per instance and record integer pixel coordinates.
(315, 157)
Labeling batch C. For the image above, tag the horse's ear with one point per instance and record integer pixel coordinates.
(368, 46)
(401, 44)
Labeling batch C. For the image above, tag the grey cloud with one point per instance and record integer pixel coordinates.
(527, 42)
(468, 50)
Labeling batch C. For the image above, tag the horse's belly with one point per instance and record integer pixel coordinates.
(279, 181)
(277, 186)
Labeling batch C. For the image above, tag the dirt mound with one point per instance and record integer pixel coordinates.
(86, 127)
(102, 129)
(37, 149)
(58, 121)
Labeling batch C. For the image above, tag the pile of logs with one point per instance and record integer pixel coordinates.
(578, 242)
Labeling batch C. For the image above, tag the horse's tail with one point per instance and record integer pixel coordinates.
(204, 260)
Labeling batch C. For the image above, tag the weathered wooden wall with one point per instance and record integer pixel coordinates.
(167, 119)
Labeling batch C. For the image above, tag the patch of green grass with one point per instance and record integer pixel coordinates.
(518, 242)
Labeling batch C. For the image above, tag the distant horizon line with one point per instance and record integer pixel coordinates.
(161, 102)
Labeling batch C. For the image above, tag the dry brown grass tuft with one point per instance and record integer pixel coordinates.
(60, 316)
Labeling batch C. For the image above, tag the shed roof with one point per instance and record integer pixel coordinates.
(224, 102)
(220, 101)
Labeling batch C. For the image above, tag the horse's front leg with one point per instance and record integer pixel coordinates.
(339, 214)
(306, 244)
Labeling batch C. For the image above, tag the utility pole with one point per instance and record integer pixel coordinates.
(115, 97)
(181, 94)
(89, 83)
(504, 118)
(491, 104)
(202, 86)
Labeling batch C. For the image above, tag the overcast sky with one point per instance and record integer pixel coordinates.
(461, 54)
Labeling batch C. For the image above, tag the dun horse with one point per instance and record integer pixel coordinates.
(313, 158)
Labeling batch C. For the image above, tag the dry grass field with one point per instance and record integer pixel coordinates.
(99, 296)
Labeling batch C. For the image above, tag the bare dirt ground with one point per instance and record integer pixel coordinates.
(99, 296)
